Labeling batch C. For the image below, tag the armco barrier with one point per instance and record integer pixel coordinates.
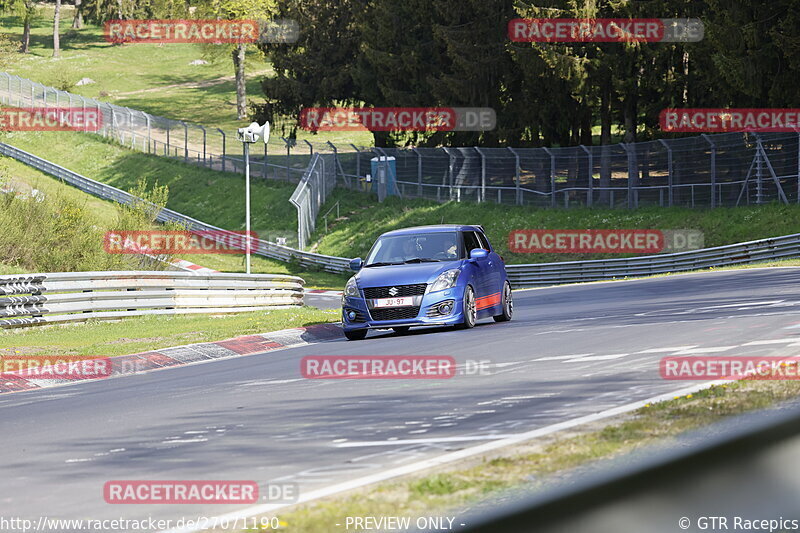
(107, 192)
(604, 269)
(531, 275)
(33, 299)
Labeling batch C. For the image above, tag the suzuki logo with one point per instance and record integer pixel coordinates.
(393, 291)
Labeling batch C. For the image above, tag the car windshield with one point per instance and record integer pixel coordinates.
(414, 248)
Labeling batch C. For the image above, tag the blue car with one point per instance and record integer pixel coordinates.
(446, 275)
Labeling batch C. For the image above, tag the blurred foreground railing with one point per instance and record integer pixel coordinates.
(34, 299)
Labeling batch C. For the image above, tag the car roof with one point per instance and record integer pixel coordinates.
(439, 228)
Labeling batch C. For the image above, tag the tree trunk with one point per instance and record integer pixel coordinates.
(241, 95)
(26, 31)
(77, 22)
(605, 139)
(56, 24)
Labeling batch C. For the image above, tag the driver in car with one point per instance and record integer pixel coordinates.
(450, 247)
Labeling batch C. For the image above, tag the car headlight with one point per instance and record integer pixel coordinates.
(445, 280)
(351, 288)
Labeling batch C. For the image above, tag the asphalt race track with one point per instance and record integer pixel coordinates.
(570, 351)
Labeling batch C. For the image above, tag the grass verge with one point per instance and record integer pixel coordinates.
(449, 490)
(141, 334)
(362, 220)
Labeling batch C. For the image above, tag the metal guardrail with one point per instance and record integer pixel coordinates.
(107, 192)
(317, 183)
(530, 275)
(33, 299)
(533, 275)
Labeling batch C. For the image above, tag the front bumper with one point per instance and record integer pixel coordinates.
(426, 316)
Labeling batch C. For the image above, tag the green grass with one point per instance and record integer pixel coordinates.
(211, 196)
(112, 164)
(175, 89)
(449, 490)
(140, 334)
(363, 219)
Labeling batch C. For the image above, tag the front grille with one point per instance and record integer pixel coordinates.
(402, 290)
(395, 313)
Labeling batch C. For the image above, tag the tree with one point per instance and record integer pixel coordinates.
(56, 23)
(25, 10)
(233, 10)
(318, 69)
(77, 21)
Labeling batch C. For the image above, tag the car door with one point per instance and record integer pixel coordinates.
(494, 275)
(481, 268)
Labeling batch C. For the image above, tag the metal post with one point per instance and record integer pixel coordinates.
(669, 171)
(419, 171)
(335, 161)
(130, 125)
(552, 177)
(759, 180)
(482, 197)
(713, 172)
(167, 146)
(149, 132)
(590, 193)
(358, 162)
(516, 176)
(310, 147)
(223, 148)
(264, 163)
(247, 202)
(632, 171)
(450, 174)
(185, 141)
(288, 154)
(205, 137)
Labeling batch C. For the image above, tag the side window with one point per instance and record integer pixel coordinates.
(470, 242)
(483, 240)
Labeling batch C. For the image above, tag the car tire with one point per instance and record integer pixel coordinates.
(401, 329)
(470, 311)
(507, 300)
(355, 334)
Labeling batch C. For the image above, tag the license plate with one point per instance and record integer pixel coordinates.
(403, 301)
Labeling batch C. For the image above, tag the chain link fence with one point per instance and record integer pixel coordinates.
(727, 169)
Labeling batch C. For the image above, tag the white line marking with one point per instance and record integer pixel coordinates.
(420, 441)
(712, 349)
(743, 305)
(597, 358)
(449, 457)
(559, 357)
(773, 341)
(669, 349)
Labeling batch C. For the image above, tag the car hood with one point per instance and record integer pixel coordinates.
(403, 274)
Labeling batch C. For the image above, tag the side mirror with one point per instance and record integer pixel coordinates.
(356, 264)
(478, 253)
